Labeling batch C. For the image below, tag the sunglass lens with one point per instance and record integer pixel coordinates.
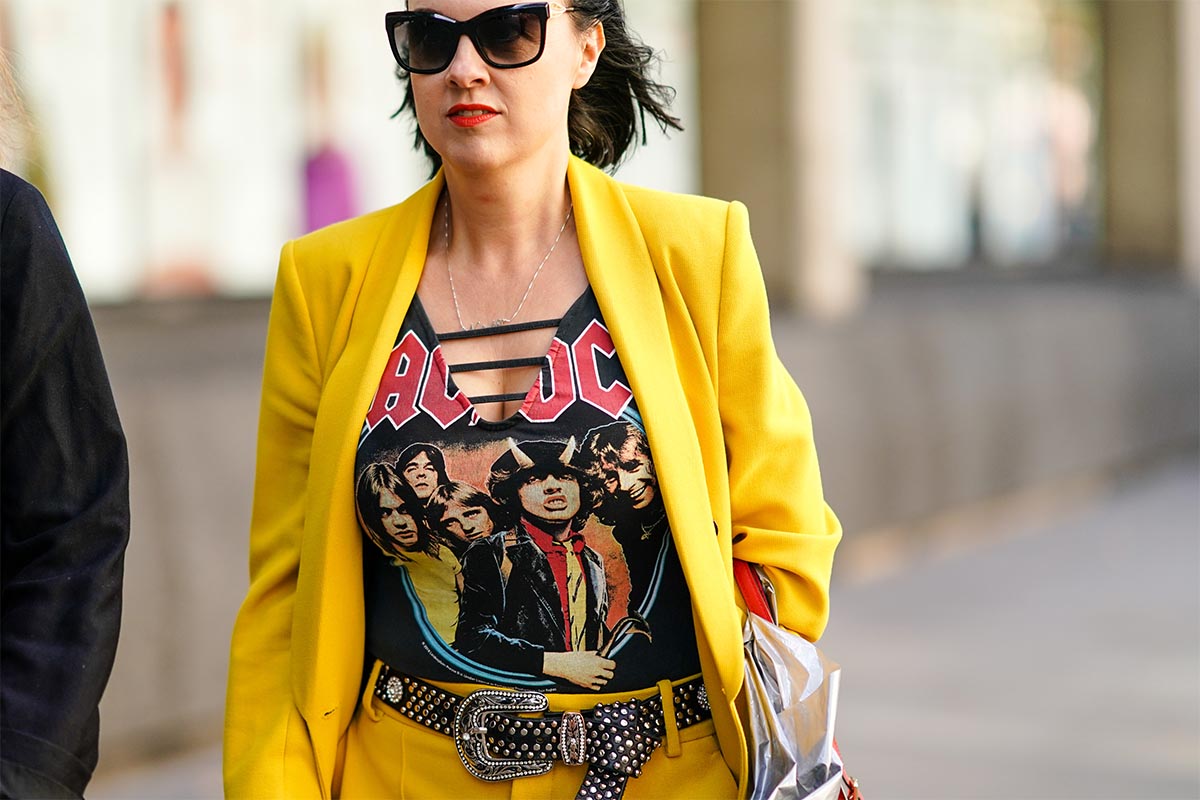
(514, 37)
(425, 44)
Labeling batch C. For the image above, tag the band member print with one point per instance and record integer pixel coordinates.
(513, 562)
(618, 460)
(547, 616)
(461, 515)
(393, 517)
(423, 468)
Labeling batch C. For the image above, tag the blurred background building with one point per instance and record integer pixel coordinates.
(979, 221)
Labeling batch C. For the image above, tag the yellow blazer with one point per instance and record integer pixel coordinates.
(679, 284)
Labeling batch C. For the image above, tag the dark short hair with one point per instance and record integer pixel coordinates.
(507, 476)
(432, 452)
(605, 116)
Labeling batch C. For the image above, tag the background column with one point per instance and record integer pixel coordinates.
(771, 82)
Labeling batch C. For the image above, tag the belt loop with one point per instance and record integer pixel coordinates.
(368, 698)
(671, 743)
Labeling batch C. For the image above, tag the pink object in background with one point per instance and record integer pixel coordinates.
(328, 188)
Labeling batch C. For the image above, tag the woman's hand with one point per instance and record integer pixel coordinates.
(586, 669)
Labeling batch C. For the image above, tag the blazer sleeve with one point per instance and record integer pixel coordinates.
(267, 750)
(779, 516)
(65, 510)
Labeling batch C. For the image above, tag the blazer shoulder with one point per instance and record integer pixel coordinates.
(683, 223)
(677, 207)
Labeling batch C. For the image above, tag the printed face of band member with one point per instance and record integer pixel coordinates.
(397, 523)
(421, 476)
(632, 476)
(550, 498)
(466, 523)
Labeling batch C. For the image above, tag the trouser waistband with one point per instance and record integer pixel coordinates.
(495, 742)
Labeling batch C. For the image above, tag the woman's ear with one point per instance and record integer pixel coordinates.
(593, 44)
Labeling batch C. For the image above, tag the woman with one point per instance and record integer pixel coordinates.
(521, 293)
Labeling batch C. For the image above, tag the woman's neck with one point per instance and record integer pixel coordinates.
(499, 221)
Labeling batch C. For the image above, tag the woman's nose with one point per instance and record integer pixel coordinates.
(467, 68)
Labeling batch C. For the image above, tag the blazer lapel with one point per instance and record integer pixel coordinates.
(329, 645)
(640, 301)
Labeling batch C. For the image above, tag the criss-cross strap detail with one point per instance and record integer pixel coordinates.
(498, 330)
(499, 363)
(502, 363)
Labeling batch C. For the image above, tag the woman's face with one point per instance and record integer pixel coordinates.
(421, 475)
(466, 523)
(478, 117)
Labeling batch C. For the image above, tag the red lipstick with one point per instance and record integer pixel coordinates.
(468, 115)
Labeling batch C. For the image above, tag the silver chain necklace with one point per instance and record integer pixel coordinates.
(528, 289)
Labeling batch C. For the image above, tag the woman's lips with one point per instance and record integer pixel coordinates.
(468, 116)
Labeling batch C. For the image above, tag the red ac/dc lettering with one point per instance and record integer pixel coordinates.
(396, 398)
(562, 387)
(417, 379)
(436, 399)
(610, 399)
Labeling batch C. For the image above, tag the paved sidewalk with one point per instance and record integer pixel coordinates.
(195, 775)
(1054, 655)
(1060, 660)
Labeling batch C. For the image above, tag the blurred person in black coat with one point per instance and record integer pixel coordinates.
(64, 510)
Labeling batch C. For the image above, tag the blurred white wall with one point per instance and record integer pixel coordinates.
(973, 128)
(173, 134)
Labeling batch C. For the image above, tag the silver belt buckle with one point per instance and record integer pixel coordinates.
(470, 733)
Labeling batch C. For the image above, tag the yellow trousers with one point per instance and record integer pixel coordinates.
(387, 755)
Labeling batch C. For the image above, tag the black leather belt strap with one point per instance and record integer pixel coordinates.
(495, 742)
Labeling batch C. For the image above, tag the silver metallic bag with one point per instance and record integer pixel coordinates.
(791, 698)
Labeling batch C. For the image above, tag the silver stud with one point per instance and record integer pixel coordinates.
(393, 690)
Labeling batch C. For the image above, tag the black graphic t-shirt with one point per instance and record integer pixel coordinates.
(516, 552)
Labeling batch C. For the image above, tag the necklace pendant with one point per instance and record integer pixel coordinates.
(483, 326)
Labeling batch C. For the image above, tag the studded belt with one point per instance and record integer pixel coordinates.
(496, 743)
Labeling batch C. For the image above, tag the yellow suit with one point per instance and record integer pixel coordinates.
(678, 283)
